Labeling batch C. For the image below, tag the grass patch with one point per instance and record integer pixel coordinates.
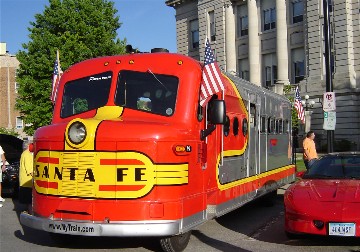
(300, 166)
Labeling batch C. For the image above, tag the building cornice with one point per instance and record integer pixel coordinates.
(175, 3)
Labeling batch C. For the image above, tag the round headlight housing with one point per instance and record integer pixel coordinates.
(77, 133)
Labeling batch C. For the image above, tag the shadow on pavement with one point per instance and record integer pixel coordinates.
(217, 244)
(43, 238)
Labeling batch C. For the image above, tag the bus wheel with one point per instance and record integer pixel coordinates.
(269, 200)
(175, 243)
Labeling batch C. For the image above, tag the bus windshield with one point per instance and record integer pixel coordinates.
(146, 91)
(85, 94)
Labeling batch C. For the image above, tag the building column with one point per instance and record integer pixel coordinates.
(308, 121)
(254, 43)
(281, 47)
(8, 97)
(230, 44)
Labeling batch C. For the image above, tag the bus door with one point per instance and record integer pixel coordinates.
(211, 147)
(254, 141)
(263, 134)
(253, 162)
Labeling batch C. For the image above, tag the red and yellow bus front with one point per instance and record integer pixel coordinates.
(123, 153)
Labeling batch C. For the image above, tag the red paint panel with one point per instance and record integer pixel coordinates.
(46, 184)
(111, 188)
(48, 160)
(120, 162)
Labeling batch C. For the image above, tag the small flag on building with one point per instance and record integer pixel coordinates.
(211, 76)
(298, 106)
(56, 78)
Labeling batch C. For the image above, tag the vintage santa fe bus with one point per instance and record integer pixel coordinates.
(131, 153)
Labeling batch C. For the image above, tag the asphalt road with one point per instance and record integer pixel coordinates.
(253, 227)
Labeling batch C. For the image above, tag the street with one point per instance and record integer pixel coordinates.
(253, 227)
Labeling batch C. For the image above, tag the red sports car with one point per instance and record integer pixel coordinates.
(326, 200)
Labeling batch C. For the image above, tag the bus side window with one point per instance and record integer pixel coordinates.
(271, 125)
(281, 127)
(286, 126)
(252, 114)
(227, 126)
(245, 126)
(200, 112)
(236, 126)
(277, 126)
(263, 124)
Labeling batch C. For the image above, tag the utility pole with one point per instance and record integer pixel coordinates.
(329, 83)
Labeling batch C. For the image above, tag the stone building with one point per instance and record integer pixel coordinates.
(9, 116)
(274, 43)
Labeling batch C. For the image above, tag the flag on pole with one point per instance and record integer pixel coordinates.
(56, 77)
(211, 76)
(298, 106)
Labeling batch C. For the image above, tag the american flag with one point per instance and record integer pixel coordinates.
(56, 78)
(298, 106)
(211, 76)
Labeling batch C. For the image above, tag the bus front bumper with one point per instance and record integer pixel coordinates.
(120, 228)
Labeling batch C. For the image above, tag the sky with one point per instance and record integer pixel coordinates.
(146, 24)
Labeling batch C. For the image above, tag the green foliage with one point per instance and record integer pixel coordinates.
(11, 132)
(79, 29)
(288, 91)
(341, 145)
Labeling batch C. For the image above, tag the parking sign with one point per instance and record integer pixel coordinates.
(329, 101)
(329, 120)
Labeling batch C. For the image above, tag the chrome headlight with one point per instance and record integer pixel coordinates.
(77, 133)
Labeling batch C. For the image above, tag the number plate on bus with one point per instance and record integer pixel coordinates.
(342, 229)
(87, 229)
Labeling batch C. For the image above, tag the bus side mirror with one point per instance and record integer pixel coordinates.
(217, 112)
(216, 115)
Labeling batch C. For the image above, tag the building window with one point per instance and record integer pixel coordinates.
(269, 19)
(267, 76)
(242, 21)
(243, 26)
(299, 68)
(245, 75)
(17, 86)
(243, 69)
(194, 30)
(19, 122)
(270, 75)
(298, 11)
(331, 5)
(212, 26)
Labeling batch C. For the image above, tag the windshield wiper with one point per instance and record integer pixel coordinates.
(352, 177)
(149, 70)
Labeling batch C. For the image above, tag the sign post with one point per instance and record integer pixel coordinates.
(329, 72)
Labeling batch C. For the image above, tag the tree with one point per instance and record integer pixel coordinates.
(11, 132)
(289, 93)
(79, 29)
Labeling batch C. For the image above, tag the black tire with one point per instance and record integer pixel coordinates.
(175, 243)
